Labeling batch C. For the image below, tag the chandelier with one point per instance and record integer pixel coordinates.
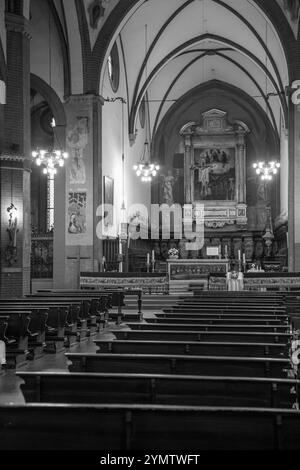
(144, 168)
(52, 159)
(266, 170)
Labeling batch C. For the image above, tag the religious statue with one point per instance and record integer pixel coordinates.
(262, 191)
(168, 185)
(11, 253)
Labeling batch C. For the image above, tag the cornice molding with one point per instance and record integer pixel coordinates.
(88, 98)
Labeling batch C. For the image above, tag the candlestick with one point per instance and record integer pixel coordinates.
(15, 234)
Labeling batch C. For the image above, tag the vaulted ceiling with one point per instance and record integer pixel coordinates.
(169, 47)
(182, 44)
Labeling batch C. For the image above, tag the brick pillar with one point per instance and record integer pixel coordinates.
(15, 158)
(82, 187)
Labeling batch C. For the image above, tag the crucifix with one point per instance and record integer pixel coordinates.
(78, 258)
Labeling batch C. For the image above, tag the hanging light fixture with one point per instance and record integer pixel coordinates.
(52, 159)
(145, 169)
(266, 170)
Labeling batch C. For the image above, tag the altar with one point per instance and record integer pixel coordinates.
(183, 273)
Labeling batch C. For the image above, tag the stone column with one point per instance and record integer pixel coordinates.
(241, 168)
(294, 189)
(15, 159)
(187, 170)
(83, 187)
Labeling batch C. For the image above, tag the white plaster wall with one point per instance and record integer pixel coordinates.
(136, 192)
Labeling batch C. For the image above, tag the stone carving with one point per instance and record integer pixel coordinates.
(168, 184)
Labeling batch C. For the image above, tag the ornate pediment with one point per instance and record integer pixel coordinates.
(213, 122)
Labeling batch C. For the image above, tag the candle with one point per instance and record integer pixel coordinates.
(226, 251)
(239, 254)
(148, 258)
(244, 258)
(153, 256)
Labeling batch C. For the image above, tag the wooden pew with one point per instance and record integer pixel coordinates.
(225, 309)
(199, 348)
(57, 322)
(149, 325)
(122, 427)
(61, 387)
(215, 321)
(15, 333)
(227, 316)
(35, 332)
(179, 365)
(94, 308)
(115, 300)
(218, 336)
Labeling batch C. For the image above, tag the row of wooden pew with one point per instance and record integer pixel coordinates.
(208, 374)
(39, 324)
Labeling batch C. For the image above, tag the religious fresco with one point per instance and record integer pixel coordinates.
(77, 140)
(77, 213)
(214, 175)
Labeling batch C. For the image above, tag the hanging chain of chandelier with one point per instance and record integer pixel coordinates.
(50, 160)
(266, 170)
(144, 168)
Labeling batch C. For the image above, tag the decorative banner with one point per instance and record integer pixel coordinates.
(77, 213)
(77, 140)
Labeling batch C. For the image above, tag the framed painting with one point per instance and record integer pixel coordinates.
(108, 185)
(214, 174)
